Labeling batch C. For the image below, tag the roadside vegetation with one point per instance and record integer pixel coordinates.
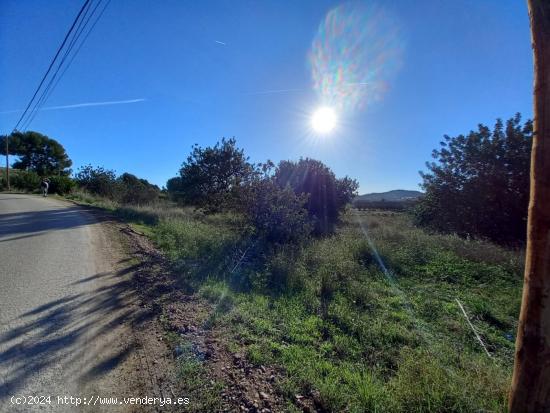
(363, 320)
(37, 157)
(478, 185)
(372, 310)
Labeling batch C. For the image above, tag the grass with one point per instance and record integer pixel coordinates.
(391, 340)
(364, 320)
(193, 374)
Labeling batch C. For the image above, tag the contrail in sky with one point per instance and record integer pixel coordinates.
(83, 105)
(217, 41)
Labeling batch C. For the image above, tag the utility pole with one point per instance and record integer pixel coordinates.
(530, 390)
(7, 163)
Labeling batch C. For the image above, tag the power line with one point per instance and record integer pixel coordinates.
(82, 24)
(52, 62)
(85, 38)
(54, 80)
(32, 113)
(52, 84)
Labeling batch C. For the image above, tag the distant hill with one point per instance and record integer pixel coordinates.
(397, 195)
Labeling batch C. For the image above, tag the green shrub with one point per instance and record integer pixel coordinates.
(326, 196)
(210, 176)
(136, 191)
(98, 181)
(281, 271)
(277, 214)
(61, 185)
(25, 180)
(126, 189)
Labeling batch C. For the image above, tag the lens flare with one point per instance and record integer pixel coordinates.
(323, 120)
(356, 50)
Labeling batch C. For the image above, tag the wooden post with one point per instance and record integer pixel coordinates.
(7, 163)
(530, 390)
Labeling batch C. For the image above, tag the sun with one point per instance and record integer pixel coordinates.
(323, 120)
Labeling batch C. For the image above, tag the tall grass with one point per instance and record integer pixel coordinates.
(363, 321)
(367, 319)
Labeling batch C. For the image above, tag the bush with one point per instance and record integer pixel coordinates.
(127, 188)
(3, 183)
(98, 181)
(277, 214)
(136, 191)
(25, 180)
(61, 185)
(327, 196)
(174, 188)
(210, 177)
(30, 181)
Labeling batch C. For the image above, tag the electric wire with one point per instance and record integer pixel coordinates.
(52, 84)
(52, 63)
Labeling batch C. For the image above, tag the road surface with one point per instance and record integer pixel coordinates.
(65, 306)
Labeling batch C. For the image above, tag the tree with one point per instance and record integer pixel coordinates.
(327, 196)
(530, 390)
(127, 188)
(135, 190)
(479, 184)
(212, 176)
(98, 180)
(37, 153)
(173, 187)
(61, 184)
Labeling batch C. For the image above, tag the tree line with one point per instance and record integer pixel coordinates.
(284, 203)
(476, 186)
(39, 156)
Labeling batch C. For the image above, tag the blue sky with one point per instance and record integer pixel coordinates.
(202, 70)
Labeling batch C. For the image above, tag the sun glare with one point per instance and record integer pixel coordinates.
(323, 120)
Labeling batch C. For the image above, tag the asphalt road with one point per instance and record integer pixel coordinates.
(65, 306)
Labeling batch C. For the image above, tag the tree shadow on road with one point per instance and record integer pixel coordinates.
(30, 224)
(78, 333)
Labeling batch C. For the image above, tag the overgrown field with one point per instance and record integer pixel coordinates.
(366, 319)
